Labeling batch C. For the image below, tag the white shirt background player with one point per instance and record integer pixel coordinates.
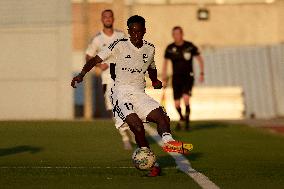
(102, 39)
(96, 45)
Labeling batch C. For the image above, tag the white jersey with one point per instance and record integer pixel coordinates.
(131, 63)
(98, 43)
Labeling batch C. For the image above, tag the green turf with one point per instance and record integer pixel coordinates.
(236, 156)
(230, 155)
(77, 144)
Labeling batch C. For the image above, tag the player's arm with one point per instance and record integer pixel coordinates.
(156, 83)
(92, 50)
(164, 72)
(87, 67)
(200, 60)
(103, 66)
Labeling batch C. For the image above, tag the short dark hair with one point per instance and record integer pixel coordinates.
(177, 28)
(135, 19)
(107, 10)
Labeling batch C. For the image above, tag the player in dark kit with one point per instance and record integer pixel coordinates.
(181, 54)
(133, 58)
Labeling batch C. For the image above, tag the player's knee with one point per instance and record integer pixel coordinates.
(135, 123)
(163, 120)
(177, 103)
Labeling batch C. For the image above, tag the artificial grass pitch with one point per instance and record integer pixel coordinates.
(57, 154)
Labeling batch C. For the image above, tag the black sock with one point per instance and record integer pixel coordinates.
(179, 112)
(187, 112)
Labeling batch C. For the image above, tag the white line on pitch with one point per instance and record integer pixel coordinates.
(183, 163)
(68, 167)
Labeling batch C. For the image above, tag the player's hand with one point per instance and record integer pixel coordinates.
(157, 84)
(78, 79)
(103, 66)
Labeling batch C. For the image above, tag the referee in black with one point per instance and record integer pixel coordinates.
(181, 54)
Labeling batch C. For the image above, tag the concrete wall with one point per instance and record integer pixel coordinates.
(239, 42)
(35, 60)
(229, 25)
(258, 70)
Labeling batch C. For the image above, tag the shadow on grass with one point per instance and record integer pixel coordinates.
(19, 149)
(196, 126)
(168, 161)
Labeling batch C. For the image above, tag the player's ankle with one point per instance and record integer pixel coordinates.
(167, 137)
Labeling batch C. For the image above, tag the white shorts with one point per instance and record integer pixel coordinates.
(126, 102)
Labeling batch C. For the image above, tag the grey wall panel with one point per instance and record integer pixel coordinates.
(31, 12)
(35, 59)
(277, 69)
(258, 70)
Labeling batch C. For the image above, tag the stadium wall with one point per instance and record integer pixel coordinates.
(257, 69)
(240, 43)
(35, 60)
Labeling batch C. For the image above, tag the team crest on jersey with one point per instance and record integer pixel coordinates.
(187, 55)
(145, 58)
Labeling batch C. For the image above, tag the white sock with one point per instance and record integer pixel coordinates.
(166, 137)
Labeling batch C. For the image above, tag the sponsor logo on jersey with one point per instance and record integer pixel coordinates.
(132, 70)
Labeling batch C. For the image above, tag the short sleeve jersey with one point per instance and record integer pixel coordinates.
(181, 57)
(99, 41)
(131, 63)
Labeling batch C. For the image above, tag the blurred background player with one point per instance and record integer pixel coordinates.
(102, 39)
(181, 53)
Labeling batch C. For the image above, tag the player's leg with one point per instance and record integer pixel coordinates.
(123, 131)
(125, 138)
(177, 90)
(178, 108)
(186, 97)
(159, 117)
(136, 126)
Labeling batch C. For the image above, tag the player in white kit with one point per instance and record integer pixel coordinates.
(100, 40)
(133, 58)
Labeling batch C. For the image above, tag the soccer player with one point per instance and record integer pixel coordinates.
(181, 54)
(134, 57)
(102, 39)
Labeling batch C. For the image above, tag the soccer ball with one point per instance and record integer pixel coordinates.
(143, 158)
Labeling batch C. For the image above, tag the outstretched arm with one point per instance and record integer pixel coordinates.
(87, 67)
(156, 83)
(201, 67)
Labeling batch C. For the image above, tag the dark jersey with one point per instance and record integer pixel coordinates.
(181, 57)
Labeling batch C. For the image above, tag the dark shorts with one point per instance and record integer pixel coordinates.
(182, 84)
